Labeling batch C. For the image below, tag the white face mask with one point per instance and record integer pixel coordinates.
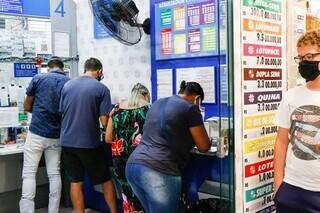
(197, 101)
(203, 114)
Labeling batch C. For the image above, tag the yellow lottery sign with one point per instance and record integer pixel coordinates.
(258, 121)
(255, 145)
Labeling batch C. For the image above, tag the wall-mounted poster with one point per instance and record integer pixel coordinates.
(264, 80)
(186, 28)
(203, 75)
(164, 83)
(9, 117)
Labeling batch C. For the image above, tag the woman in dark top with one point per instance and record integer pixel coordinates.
(172, 128)
(124, 132)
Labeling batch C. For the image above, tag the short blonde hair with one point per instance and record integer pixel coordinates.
(309, 38)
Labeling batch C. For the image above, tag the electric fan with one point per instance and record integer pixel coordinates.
(119, 19)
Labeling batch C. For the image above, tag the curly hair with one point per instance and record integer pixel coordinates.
(309, 38)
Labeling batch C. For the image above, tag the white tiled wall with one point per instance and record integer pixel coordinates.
(123, 65)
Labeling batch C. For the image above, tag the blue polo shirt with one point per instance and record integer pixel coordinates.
(46, 88)
(83, 101)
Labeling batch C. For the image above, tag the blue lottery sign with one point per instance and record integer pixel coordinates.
(37, 8)
(23, 70)
(11, 6)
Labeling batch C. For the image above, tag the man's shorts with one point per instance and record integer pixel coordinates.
(292, 199)
(79, 162)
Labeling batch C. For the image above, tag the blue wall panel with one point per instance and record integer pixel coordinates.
(217, 109)
(37, 8)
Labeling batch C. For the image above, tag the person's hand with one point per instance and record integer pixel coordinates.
(277, 185)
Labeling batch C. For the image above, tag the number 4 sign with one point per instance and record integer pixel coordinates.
(60, 9)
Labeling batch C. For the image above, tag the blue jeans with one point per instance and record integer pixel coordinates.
(157, 192)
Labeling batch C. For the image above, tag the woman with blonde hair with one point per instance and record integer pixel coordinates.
(124, 133)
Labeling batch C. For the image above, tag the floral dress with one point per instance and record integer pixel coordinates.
(127, 128)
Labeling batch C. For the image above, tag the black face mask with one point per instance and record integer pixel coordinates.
(309, 70)
(100, 77)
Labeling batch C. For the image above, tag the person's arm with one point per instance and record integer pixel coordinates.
(280, 153)
(105, 107)
(104, 121)
(201, 138)
(30, 92)
(197, 129)
(28, 104)
(283, 121)
(109, 132)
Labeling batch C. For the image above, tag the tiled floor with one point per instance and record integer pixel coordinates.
(63, 211)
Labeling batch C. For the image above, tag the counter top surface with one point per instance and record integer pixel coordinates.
(11, 149)
(212, 152)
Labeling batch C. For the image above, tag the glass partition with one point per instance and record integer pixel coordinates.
(192, 41)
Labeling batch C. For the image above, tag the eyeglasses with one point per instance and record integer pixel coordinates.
(306, 57)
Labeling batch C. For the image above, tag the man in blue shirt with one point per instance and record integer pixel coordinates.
(84, 101)
(43, 95)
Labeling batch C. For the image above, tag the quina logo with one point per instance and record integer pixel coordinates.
(269, 97)
(251, 98)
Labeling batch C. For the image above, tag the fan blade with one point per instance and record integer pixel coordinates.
(117, 20)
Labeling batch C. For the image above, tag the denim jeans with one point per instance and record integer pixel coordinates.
(33, 149)
(157, 192)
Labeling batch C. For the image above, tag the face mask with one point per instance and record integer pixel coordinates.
(100, 78)
(197, 102)
(201, 109)
(309, 70)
